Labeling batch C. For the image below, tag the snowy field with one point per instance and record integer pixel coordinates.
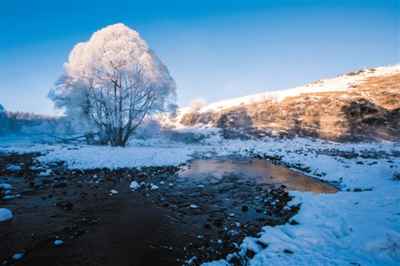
(360, 225)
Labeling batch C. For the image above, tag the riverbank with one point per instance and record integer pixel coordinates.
(358, 224)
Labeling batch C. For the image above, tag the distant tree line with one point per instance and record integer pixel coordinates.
(30, 123)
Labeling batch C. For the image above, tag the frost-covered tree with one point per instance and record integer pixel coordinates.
(112, 82)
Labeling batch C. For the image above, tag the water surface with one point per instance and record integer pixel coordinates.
(261, 171)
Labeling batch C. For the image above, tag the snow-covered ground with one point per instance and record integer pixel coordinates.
(360, 225)
(346, 228)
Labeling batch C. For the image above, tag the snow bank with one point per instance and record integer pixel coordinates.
(88, 157)
(360, 228)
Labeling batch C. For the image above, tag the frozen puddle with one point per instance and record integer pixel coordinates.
(260, 171)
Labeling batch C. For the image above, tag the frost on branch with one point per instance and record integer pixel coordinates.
(112, 82)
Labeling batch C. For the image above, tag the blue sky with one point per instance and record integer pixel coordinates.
(213, 49)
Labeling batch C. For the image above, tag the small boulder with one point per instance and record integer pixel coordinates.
(134, 185)
(58, 242)
(5, 214)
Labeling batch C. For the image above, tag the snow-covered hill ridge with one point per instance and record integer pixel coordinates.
(340, 83)
(361, 105)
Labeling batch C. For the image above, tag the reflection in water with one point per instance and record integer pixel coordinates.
(261, 171)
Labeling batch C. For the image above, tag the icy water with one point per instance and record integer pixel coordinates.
(260, 171)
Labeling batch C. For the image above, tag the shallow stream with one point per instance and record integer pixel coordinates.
(261, 171)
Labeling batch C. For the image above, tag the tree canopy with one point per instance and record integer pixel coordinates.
(113, 81)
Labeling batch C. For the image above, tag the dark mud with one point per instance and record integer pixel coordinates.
(101, 221)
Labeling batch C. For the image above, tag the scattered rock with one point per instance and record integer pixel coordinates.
(250, 253)
(153, 187)
(113, 192)
(65, 205)
(5, 186)
(288, 251)
(58, 242)
(245, 208)
(5, 214)
(223, 215)
(262, 244)
(18, 256)
(396, 176)
(60, 185)
(14, 168)
(134, 185)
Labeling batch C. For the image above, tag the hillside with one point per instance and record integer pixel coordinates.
(356, 106)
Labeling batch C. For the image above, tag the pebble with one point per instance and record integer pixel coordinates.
(18, 256)
(58, 242)
(14, 168)
(9, 197)
(245, 208)
(5, 186)
(5, 214)
(46, 173)
(153, 187)
(288, 251)
(134, 185)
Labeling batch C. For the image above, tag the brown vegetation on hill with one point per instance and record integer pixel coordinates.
(367, 111)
